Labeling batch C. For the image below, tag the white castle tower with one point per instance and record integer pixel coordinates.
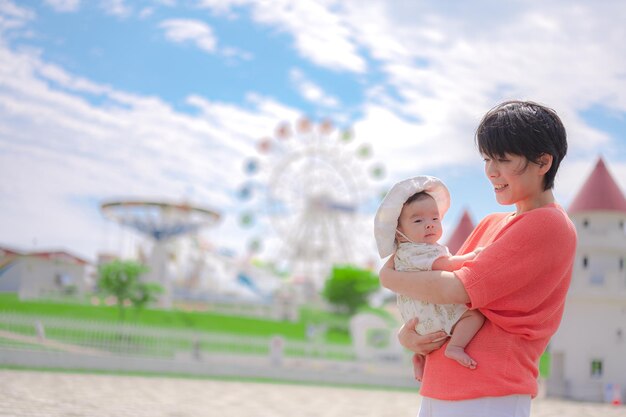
(589, 350)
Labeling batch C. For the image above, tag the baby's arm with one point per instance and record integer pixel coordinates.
(452, 263)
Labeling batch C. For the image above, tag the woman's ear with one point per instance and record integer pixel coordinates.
(545, 163)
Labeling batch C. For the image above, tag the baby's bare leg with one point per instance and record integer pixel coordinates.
(464, 330)
(418, 366)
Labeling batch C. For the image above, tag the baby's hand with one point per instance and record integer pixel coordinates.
(471, 255)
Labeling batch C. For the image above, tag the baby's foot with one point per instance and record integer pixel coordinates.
(458, 354)
(418, 366)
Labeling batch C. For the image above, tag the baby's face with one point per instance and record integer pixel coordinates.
(420, 221)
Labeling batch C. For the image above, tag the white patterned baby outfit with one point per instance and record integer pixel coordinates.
(432, 317)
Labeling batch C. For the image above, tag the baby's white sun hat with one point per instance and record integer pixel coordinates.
(386, 220)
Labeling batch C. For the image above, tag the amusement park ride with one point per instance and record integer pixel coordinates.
(312, 181)
(160, 221)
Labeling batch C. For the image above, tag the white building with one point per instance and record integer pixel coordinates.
(42, 274)
(589, 350)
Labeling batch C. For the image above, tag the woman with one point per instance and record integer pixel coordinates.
(519, 281)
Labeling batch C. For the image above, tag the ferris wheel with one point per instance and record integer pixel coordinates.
(311, 182)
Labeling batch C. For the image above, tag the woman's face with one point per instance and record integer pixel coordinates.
(515, 179)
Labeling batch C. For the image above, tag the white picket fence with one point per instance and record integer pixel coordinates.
(26, 332)
(73, 344)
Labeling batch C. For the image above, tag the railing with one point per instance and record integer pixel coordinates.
(266, 311)
(21, 331)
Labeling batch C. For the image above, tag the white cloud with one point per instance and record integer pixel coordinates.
(411, 146)
(146, 12)
(187, 30)
(117, 8)
(320, 34)
(311, 91)
(10, 9)
(447, 66)
(13, 17)
(444, 68)
(60, 155)
(236, 53)
(79, 84)
(64, 5)
(201, 34)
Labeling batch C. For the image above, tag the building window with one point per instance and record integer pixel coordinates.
(585, 262)
(597, 279)
(596, 368)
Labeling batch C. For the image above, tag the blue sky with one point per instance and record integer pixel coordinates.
(167, 99)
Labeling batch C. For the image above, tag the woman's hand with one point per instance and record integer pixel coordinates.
(417, 343)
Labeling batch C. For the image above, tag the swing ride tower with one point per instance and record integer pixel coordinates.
(161, 222)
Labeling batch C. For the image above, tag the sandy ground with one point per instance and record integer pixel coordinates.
(51, 394)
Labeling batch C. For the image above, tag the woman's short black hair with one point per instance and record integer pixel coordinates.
(523, 128)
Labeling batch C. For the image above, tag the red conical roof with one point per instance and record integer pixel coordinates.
(599, 193)
(462, 231)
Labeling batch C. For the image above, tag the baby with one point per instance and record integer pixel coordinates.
(408, 222)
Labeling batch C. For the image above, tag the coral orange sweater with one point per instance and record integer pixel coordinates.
(519, 282)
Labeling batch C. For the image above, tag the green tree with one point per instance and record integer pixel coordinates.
(348, 287)
(145, 293)
(121, 280)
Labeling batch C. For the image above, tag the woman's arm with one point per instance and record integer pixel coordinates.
(439, 287)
